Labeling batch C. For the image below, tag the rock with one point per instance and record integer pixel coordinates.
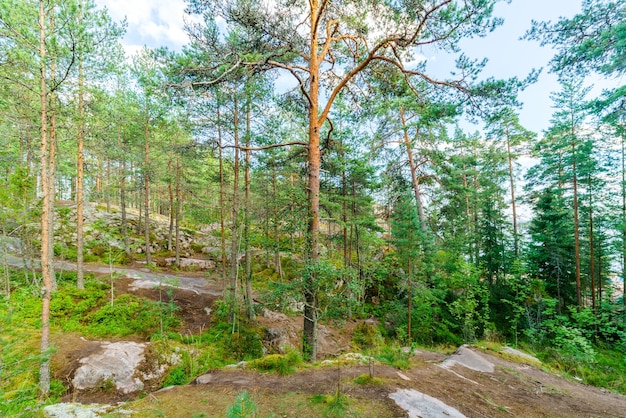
(75, 410)
(466, 357)
(275, 316)
(277, 341)
(190, 263)
(114, 365)
(418, 404)
(521, 354)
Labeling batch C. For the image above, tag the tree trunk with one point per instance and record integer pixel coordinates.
(170, 191)
(512, 185)
(623, 138)
(414, 179)
(277, 264)
(246, 219)
(80, 280)
(146, 191)
(44, 370)
(309, 348)
(177, 211)
(221, 195)
(234, 256)
(592, 266)
(576, 228)
(124, 225)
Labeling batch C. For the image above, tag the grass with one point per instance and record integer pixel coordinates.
(395, 356)
(204, 400)
(87, 312)
(279, 363)
(608, 371)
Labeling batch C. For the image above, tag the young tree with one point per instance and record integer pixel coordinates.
(505, 126)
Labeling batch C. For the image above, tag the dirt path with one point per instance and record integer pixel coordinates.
(142, 277)
(511, 390)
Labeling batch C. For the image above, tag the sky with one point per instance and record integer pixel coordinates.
(157, 23)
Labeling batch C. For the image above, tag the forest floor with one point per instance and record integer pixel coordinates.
(515, 387)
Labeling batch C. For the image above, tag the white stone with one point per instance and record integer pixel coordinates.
(418, 404)
(116, 362)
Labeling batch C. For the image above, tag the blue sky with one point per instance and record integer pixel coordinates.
(160, 23)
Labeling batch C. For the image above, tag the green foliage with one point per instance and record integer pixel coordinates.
(242, 407)
(282, 364)
(129, 315)
(336, 405)
(176, 376)
(366, 379)
(242, 343)
(394, 355)
(367, 336)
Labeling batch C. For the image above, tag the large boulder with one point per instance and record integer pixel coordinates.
(119, 367)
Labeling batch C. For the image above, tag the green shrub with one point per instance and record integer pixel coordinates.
(366, 379)
(282, 364)
(394, 356)
(243, 407)
(367, 336)
(130, 315)
(176, 377)
(243, 344)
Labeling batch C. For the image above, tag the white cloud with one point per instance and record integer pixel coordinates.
(152, 23)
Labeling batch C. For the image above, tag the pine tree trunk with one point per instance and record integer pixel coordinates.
(414, 179)
(124, 224)
(576, 228)
(234, 255)
(221, 196)
(246, 232)
(276, 239)
(170, 191)
(177, 211)
(80, 280)
(146, 191)
(512, 185)
(44, 370)
(592, 267)
(314, 165)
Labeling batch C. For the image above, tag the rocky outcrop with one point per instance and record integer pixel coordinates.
(122, 367)
(102, 232)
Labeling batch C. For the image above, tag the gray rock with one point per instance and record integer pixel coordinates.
(115, 364)
(521, 354)
(418, 404)
(466, 357)
(76, 410)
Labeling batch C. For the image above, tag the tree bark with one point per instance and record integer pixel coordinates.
(234, 256)
(512, 185)
(414, 178)
(246, 231)
(309, 348)
(170, 191)
(576, 225)
(592, 267)
(44, 370)
(221, 195)
(146, 191)
(124, 225)
(177, 211)
(80, 280)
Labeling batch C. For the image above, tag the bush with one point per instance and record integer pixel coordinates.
(367, 336)
(243, 407)
(130, 315)
(282, 364)
(394, 356)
